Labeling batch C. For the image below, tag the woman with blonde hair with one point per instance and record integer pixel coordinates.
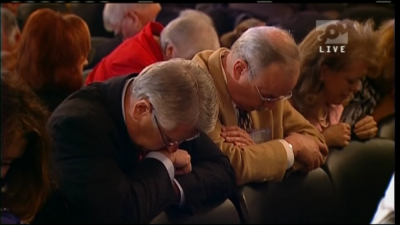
(328, 77)
(52, 53)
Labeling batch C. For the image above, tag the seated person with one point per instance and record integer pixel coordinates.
(125, 21)
(130, 147)
(183, 37)
(384, 81)
(229, 38)
(327, 79)
(53, 73)
(10, 36)
(25, 152)
(254, 81)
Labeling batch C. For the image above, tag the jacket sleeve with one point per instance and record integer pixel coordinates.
(212, 178)
(294, 122)
(93, 183)
(266, 161)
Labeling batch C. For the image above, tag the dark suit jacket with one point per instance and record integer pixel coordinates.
(101, 177)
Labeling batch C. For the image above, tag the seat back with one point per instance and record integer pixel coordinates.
(360, 174)
(26, 9)
(85, 74)
(386, 128)
(299, 198)
(223, 213)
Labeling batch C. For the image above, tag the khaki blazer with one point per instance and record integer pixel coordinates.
(262, 162)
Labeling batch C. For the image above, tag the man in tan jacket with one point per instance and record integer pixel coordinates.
(258, 129)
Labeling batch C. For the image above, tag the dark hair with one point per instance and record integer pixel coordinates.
(23, 120)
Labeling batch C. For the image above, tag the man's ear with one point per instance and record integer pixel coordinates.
(134, 17)
(239, 69)
(169, 52)
(141, 108)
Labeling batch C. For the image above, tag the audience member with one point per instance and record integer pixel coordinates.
(125, 20)
(141, 145)
(254, 81)
(229, 38)
(52, 53)
(130, 18)
(10, 37)
(384, 81)
(328, 78)
(185, 36)
(25, 152)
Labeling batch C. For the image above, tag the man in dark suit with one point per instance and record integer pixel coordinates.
(119, 146)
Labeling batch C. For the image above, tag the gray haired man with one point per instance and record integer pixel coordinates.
(130, 147)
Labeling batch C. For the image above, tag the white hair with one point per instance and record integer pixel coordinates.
(190, 33)
(181, 92)
(114, 13)
(9, 26)
(264, 45)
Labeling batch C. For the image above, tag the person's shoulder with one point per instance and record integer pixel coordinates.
(84, 105)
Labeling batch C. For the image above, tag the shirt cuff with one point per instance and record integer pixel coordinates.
(182, 198)
(165, 160)
(289, 153)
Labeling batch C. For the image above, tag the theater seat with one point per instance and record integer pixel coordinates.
(386, 127)
(360, 173)
(223, 213)
(299, 198)
(85, 74)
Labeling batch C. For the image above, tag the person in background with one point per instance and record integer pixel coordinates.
(327, 79)
(10, 37)
(229, 38)
(52, 53)
(132, 146)
(257, 128)
(125, 20)
(384, 81)
(183, 37)
(385, 212)
(25, 152)
(13, 7)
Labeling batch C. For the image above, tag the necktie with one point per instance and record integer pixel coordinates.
(244, 120)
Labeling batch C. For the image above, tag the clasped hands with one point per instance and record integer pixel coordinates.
(306, 150)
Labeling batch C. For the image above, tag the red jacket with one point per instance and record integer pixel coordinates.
(132, 56)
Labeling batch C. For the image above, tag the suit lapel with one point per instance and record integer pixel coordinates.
(227, 112)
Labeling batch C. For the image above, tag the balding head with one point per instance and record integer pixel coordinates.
(128, 19)
(265, 45)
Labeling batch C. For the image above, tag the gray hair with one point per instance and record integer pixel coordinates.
(9, 25)
(114, 13)
(264, 45)
(181, 92)
(190, 33)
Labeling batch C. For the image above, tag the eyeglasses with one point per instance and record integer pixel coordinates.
(272, 99)
(165, 137)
